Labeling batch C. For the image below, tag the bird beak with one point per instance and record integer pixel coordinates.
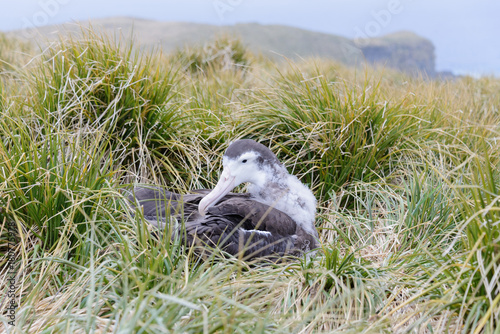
(224, 186)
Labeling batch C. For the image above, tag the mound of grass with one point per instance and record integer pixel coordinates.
(332, 132)
(222, 54)
(476, 291)
(14, 53)
(54, 182)
(101, 84)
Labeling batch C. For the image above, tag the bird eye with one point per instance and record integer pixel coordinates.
(244, 161)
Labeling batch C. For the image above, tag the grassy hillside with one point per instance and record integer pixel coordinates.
(405, 171)
(404, 51)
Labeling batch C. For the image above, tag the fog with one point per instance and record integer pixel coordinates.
(465, 33)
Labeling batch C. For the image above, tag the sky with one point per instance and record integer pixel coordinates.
(466, 33)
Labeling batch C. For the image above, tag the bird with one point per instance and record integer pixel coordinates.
(273, 219)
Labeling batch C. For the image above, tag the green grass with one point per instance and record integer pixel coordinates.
(333, 132)
(222, 54)
(405, 171)
(13, 54)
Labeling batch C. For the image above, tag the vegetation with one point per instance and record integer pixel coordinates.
(222, 54)
(405, 170)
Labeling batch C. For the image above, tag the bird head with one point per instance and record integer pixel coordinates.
(244, 161)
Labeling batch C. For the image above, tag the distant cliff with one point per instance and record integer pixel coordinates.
(404, 51)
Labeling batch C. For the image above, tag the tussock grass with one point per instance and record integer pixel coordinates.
(334, 132)
(13, 54)
(104, 85)
(222, 54)
(406, 170)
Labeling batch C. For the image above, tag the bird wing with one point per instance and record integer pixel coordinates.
(240, 225)
(158, 204)
(254, 215)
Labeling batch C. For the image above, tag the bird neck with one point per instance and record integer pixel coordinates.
(286, 193)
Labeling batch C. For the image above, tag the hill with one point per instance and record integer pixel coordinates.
(404, 51)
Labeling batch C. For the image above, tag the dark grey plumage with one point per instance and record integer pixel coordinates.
(245, 145)
(237, 224)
